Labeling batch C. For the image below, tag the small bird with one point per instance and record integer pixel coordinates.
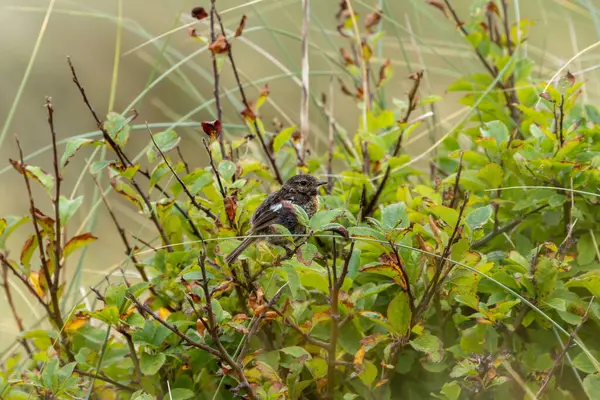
(278, 208)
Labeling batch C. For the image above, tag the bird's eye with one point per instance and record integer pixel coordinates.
(303, 183)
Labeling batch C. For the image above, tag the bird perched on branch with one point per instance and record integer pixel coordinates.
(278, 209)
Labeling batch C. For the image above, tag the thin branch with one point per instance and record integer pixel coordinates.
(183, 185)
(331, 138)
(129, 250)
(213, 331)
(305, 336)
(247, 104)
(503, 229)
(13, 308)
(104, 378)
(304, 101)
(456, 191)
(564, 351)
(173, 328)
(435, 280)
(185, 164)
(215, 69)
(122, 157)
(53, 285)
(27, 284)
(214, 168)
(413, 102)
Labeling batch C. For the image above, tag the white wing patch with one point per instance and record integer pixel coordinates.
(276, 207)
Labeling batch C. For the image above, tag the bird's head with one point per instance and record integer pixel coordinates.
(305, 184)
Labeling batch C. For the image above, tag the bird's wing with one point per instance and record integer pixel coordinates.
(265, 217)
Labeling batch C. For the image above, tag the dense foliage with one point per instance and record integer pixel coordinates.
(475, 279)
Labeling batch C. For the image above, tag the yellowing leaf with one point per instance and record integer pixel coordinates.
(78, 242)
(34, 279)
(74, 324)
(359, 358)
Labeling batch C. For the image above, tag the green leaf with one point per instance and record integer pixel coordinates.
(394, 216)
(118, 128)
(68, 207)
(115, 295)
(297, 352)
(153, 334)
(447, 214)
(496, 130)
(479, 216)
(10, 224)
(150, 364)
(98, 166)
(292, 278)
(307, 253)
(451, 390)
(73, 146)
(362, 231)
(77, 242)
(354, 265)
(301, 215)
(586, 251)
(589, 280)
(282, 138)
(398, 313)
(492, 174)
(108, 315)
(322, 218)
(226, 169)
(180, 394)
(165, 141)
(49, 375)
(428, 344)
(591, 385)
(583, 363)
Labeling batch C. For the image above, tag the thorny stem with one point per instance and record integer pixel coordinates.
(246, 103)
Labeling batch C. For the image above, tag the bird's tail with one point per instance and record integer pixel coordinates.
(231, 257)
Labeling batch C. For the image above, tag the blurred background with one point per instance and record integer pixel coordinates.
(130, 54)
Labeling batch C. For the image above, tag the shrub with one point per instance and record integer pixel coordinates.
(474, 280)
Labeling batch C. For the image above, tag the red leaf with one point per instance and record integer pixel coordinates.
(347, 57)
(439, 6)
(212, 128)
(372, 19)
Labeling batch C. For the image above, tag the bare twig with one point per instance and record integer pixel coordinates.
(247, 104)
(214, 168)
(13, 309)
(456, 190)
(331, 138)
(54, 284)
(185, 164)
(122, 157)
(503, 229)
(413, 102)
(304, 101)
(338, 282)
(295, 327)
(102, 377)
(564, 351)
(435, 280)
(129, 250)
(216, 76)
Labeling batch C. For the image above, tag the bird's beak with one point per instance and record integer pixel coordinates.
(321, 183)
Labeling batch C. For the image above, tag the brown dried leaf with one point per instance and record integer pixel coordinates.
(248, 112)
(199, 13)
(219, 46)
(241, 26)
(373, 19)
(347, 57)
(384, 72)
(359, 358)
(440, 6)
(492, 7)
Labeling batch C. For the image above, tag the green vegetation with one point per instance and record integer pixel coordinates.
(476, 279)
